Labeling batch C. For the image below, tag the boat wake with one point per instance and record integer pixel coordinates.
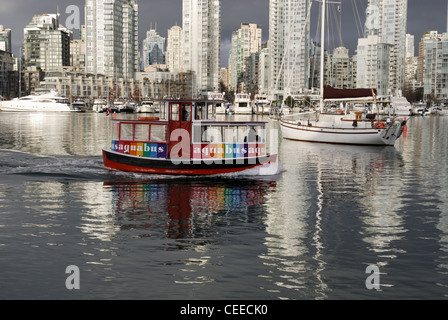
(91, 168)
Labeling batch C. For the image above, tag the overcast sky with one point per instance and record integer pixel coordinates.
(423, 15)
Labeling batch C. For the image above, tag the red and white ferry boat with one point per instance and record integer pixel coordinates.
(184, 138)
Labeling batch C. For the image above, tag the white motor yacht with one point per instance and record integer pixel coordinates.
(80, 105)
(401, 106)
(262, 104)
(124, 105)
(441, 110)
(221, 106)
(49, 102)
(420, 108)
(242, 104)
(147, 106)
(100, 105)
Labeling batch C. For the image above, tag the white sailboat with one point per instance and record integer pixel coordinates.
(343, 127)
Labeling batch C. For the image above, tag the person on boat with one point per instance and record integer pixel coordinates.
(185, 114)
(252, 136)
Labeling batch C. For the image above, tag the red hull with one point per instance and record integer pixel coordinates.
(127, 163)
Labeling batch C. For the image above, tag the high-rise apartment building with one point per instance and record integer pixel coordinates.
(5, 39)
(289, 36)
(202, 42)
(435, 72)
(245, 42)
(153, 49)
(428, 36)
(174, 49)
(341, 69)
(386, 20)
(373, 64)
(46, 43)
(112, 38)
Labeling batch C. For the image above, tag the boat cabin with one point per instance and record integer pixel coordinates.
(189, 130)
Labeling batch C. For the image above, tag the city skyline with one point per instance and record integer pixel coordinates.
(422, 17)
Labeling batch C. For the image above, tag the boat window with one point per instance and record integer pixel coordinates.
(116, 131)
(197, 134)
(212, 134)
(230, 134)
(158, 133)
(186, 112)
(200, 111)
(141, 132)
(211, 111)
(174, 111)
(254, 134)
(242, 134)
(162, 107)
(127, 132)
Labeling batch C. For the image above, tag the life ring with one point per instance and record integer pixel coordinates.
(148, 118)
(379, 125)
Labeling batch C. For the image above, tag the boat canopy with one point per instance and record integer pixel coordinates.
(331, 93)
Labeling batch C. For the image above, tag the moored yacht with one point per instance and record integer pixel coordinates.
(401, 106)
(344, 126)
(147, 106)
(421, 109)
(48, 102)
(441, 110)
(80, 105)
(261, 104)
(100, 105)
(124, 105)
(242, 104)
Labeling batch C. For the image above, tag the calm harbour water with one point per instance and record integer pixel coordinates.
(308, 232)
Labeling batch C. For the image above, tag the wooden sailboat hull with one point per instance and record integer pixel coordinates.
(337, 135)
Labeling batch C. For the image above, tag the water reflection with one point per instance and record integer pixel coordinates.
(54, 133)
(182, 209)
(338, 197)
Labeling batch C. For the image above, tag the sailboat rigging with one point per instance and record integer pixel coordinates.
(358, 127)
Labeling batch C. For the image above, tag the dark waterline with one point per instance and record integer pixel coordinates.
(308, 232)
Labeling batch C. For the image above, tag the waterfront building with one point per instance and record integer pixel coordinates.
(153, 49)
(5, 39)
(435, 71)
(112, 46)
(224, 77)
(202, 42)
(246, 41)
(386, 20)
(428, 36)
(163, 84)
(251, 74)
(341, 69)
(78, 54)
(289, 36)
(6, 70)
(264, 72)
(46, 43)
(174, 49)
(373, 64)
(410, 46)
(74, 84)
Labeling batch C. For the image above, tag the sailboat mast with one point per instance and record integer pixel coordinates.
(322, 55)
